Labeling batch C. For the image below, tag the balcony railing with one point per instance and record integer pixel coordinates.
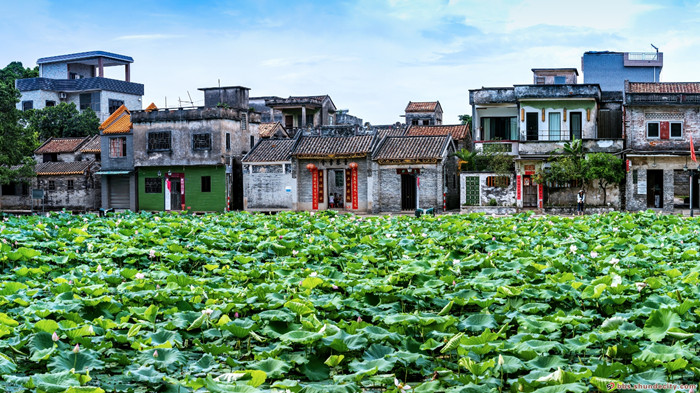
(550, 136)
(644, 56)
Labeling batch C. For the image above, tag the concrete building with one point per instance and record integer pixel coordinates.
(78, 78)
(267, 176)
(118, 173)
(610, 70)
(660, 118)
(532, 123)
(302, 112)
(423, 113)
(191, 158)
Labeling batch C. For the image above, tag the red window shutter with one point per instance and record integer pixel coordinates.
(664, 130)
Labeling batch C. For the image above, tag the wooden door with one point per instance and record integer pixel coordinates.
(175, 192)
(408, 192)
(529, 192)
(531, 126)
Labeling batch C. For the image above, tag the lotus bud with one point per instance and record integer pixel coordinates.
(640, 286)
(70, 282)
(334, 286)
(455, 261)
(295, 252)
(99, 268)
(157, 286)
(91, 330)
(76, 348)
(454, 282)
(155, 354)
(54, 337)
(314, 274)
(235, 315)
(359, 319)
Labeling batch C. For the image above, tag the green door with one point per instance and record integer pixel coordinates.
(472, 190)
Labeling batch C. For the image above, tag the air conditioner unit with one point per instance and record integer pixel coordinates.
(62, 95)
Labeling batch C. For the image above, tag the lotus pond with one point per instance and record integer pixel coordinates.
(339, 303)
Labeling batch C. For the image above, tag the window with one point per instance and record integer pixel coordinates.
(330, 119)
(652, 130)
(539, 80)
(114, 105)
(50, 103)
(206, 183)
(159, 141)
(499, 128)
(154, 185)
(50, 157)
(15, 188)
(201, 141)
(117, 147)
(27, 105)
(70, 185)
(498, 181)
(676, 130)
(52, 185)
(554, 126)
(228, 141)
(244, 121)
(414, 122)
(559, 80)
(252, 141)
(90, 100)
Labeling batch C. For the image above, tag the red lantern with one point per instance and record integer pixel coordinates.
(353, 165)
(311, 167)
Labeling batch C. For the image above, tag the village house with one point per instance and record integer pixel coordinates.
(118, 172)
(68, 175)
(190, 159)
(532, 123)
(267, 176)
(423, 113)
(302, 112)
(79, 78)
(414, 172)
(660, 119)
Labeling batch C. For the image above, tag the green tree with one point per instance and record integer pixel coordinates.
(16, 70)
(16, 142)
(61, 121)
(465, 119)
(606, 168)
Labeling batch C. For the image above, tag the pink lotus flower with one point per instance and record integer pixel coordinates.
(76, 348)
(152, 254)
(295, 252)
(334, 286)
(594, 254)
(400, 385)
(70, 282)
(207, 311)
(139, 276)
(640, 286)
(54, 337)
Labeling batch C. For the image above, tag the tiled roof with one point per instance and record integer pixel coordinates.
(664, 87)
(76, 85)
(118, 122)
(271, 150)
(333, 146)
(412, 148)
(60, 145)
(267, 130)
(421, 106)
(62, 168)
(390, 131)
(458, 131)
(85, 56)
(91, 146)
(151, 107)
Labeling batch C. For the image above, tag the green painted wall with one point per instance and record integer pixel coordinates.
(194, 197)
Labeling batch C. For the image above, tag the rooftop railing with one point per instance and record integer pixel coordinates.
(643, 56)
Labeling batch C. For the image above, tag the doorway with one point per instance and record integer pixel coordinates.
(531, 126)
(408, 192)
(655, 188)
(529, 192)
(336, 188)
(175, 194)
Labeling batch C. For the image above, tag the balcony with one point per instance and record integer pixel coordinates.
(550, 136)
(644, 59)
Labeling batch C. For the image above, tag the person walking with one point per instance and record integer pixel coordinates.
(580, 201)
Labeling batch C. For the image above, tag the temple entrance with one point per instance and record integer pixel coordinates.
(529, 192)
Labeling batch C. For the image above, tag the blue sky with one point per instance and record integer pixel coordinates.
(370, 56)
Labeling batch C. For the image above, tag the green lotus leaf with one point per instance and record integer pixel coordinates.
(315, 370)
(301, 337)
(146, 374)
(55, 382)
(81, 362)
(273, 368)
(659, 324)
(565, 388)
(478, 322)
(214, 386)
(428, 387)
(343, 342)
(7, 366)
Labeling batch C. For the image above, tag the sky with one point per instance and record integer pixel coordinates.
(371, 56)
